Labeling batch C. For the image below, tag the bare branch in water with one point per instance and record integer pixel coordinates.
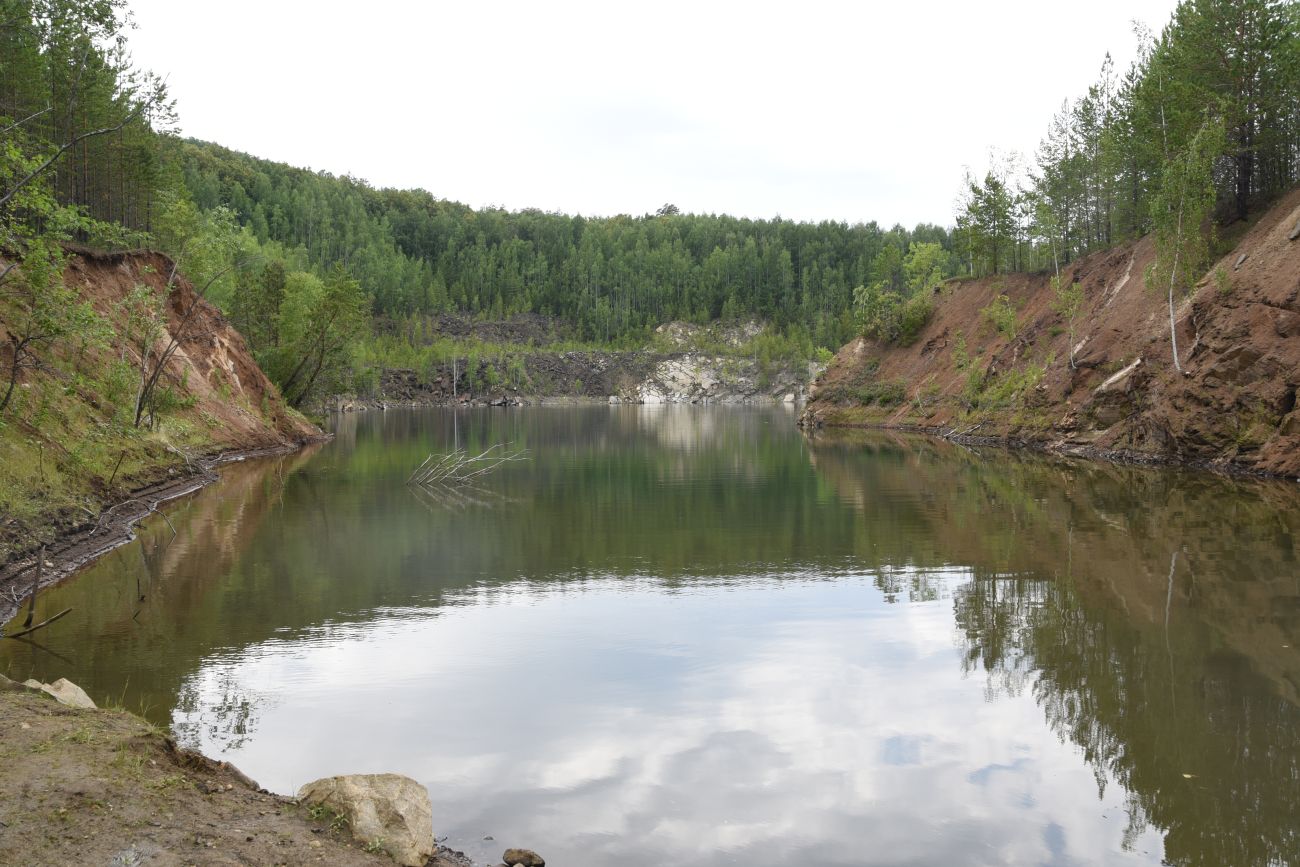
(29, 630)
(458, 467)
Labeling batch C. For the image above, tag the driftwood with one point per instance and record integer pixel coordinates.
(29, 630)
(458, 467)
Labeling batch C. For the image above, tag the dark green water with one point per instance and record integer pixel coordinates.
(693, 637)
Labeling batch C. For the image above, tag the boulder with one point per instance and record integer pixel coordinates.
(65, 692)
(385, 809)
(523, 858)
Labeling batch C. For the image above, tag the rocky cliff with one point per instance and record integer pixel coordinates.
(682, 363)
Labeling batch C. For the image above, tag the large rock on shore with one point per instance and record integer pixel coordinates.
(523, 858)
(385, 809)
(65, 692)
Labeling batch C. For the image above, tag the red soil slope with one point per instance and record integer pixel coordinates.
(1239, 340)
(213, 362)
(74, 474)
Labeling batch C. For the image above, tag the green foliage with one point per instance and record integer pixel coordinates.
(255, 307)
(40, 312)
(1001, 391)
(886, 394)
(1066, 303)
(885, 316)
(960, 356)
(925, 267)
(1108, 162)
(1222, 282)
(70, 100)
(318, 327)
(203, 245)
(986, 222)
(1000, 314)
(613, 278)
(916, 312)
(1183, 203)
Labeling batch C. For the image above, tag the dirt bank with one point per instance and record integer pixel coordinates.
(1233, 408)
(105, 787)
(76, 473)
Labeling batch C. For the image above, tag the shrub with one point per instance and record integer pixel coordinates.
(916, 312)
(885, 394)
(1001, 315)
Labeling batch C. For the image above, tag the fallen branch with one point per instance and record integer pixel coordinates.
(459, 467)
(29, 630)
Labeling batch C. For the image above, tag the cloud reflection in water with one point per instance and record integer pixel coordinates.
(761, 720)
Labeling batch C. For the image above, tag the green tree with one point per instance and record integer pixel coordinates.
(1181, 212)
(925, 267)
(319, 323)
(1066, 303)
(40, 311)
(1235, 56)
(256, 305)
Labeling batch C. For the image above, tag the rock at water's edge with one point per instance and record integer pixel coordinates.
(523, 858)
(388, 809)
(65, 692)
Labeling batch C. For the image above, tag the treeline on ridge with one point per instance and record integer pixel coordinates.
(611, 277)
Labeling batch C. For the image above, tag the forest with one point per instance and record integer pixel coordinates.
(1217, 88)
(1201, 129)
(611, 277)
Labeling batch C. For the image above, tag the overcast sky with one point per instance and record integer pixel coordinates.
(809, 110)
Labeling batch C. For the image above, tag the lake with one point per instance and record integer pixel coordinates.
(694, 636)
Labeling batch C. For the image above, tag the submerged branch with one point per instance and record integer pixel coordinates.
(459, 467)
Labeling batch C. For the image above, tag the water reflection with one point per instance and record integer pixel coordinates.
(693, 637)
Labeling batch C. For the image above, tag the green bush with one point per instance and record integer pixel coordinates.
(1001, 315)
(916, 312)
(885, 394)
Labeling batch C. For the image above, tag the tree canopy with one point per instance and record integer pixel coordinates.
(1100, 168)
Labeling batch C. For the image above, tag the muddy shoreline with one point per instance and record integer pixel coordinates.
(78, 545)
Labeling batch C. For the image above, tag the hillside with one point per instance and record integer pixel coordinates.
(608, 278)
(982, 367)
(73, 465)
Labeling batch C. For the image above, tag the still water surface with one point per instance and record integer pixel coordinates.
(693, 637)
